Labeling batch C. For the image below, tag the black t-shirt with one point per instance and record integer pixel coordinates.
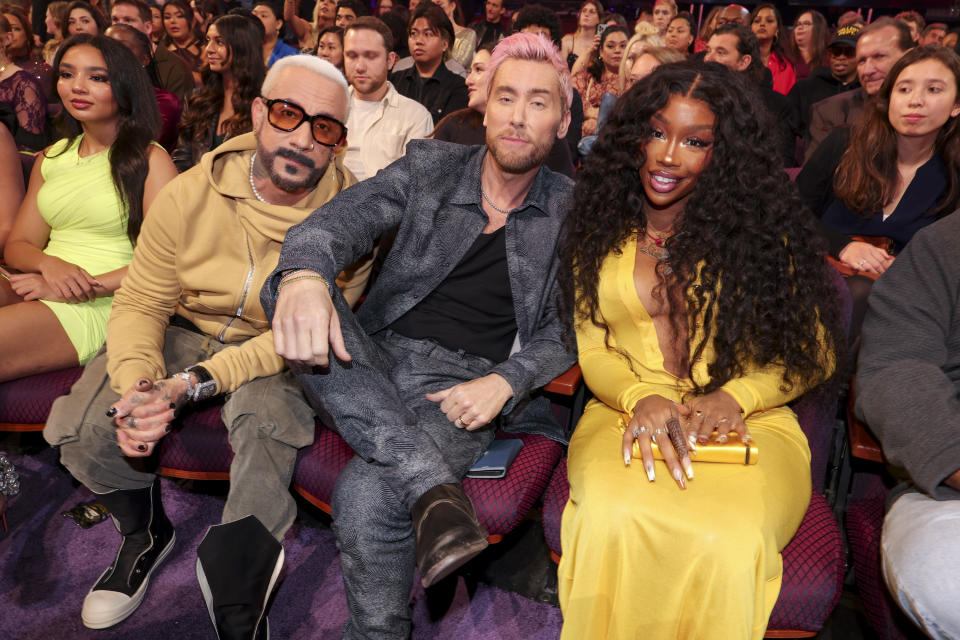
(472, 309)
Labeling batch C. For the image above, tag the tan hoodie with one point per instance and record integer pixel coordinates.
(206, 246)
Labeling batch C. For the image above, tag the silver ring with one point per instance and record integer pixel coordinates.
(459, 422)
(724, 420)
(636, 433)
(863, 262)
(643, 429)
(132, 422)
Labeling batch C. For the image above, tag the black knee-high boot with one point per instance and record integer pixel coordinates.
(238, 564)
(147, 539)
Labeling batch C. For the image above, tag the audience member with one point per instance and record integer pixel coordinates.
(880, 46)
(539, 20)
(679, 36)
(11, 183)
(381, 7)
(431, 345)
(706, 29)
(183, 37)
(82, 17)
(900, 171)
(838, 76)
(189, 305)
(914, 22)
(167, 103)
(614, 19)
(733, 14)
(156, 17)
(172, 73)
(735, 47)
(273, 47)
(767, 25)
(933, 33)
(22, 50)
(56, 16)
(307, 33)
(490, 27)
(584, 41)
(22, 93)
(907, 390)
(348, 11)
(951, 39)
(650, 59)
(664, 12)
(75, 231)
(635, 47)
(330, 46)
(464, 38)
(601, 77)
(381, 121)
(397, 19)
(636, 281)
(220, 108)
(808, 43)
(466, 126)
(428, 81)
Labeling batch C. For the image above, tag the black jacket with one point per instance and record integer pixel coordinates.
(442, 93)
(819, 85)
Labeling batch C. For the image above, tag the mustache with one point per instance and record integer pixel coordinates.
(290, 154)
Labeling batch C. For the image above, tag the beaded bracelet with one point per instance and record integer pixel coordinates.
(9, 479)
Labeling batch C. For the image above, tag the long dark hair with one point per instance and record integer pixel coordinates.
(98, 17)
(819, 39)
(187, 10)
(867, 175)
(778, 46)
(245, 45)
(21, 16)
(138, 121)
(597, 66)
(744, 259)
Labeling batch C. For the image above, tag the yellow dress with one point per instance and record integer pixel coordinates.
(88, 228)
(646, 559)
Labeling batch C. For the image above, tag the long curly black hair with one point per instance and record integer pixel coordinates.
(744, 258)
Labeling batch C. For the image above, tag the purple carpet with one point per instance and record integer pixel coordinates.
(47, 564)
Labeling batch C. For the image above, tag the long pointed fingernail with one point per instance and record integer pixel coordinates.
(626, 459)
(112, 411)
(688, 469)
(703, 439)
(747, 439)
(678, 476)
(651, 476)
(722, 438)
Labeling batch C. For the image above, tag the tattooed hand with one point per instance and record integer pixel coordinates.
(144, 413)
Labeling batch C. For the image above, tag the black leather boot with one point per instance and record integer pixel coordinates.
(238, 564)
(147, 539)
(447, 531)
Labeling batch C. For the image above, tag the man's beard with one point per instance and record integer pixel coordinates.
(307, 176)
(517, 161)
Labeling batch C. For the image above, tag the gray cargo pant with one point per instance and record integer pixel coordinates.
(380, 399)
(268, 420)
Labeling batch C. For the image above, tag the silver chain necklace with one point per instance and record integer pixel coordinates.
(489, 201)
(253, 186)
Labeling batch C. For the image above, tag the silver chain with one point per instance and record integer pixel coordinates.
(490, 202)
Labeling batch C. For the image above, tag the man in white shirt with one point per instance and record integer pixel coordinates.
(381, 121)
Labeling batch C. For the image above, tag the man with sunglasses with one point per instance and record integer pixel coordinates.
(452, 342)
(186, 326)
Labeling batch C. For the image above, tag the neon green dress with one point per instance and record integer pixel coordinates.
(88, 228)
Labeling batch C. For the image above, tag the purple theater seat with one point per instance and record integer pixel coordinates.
(198, 448)
(501, 503)
(864, 525)
(25, 402)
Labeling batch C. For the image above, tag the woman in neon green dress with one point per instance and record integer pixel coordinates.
(74, 233)
(701, 303)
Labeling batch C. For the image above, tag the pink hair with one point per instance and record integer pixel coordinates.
(536, 48)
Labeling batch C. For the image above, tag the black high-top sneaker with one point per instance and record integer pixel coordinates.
(238, 564)
(147, 539)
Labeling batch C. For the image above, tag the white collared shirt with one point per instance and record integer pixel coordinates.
(377, 137)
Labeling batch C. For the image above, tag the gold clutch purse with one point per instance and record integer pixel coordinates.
(731, 452)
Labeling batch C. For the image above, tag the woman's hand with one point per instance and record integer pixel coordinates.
(656, 419)
(863, 256)
(596, 43)
(716, 411)
(32, 286)
(70, 282)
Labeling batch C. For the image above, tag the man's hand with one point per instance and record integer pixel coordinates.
(471, 405)
(305, 324)
(144, 413)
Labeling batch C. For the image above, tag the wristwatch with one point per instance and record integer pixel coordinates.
(206, 386)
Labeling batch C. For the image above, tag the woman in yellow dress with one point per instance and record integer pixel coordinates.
(702, 305)
(74, 233)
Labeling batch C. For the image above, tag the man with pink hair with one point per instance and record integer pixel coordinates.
(454, 339)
